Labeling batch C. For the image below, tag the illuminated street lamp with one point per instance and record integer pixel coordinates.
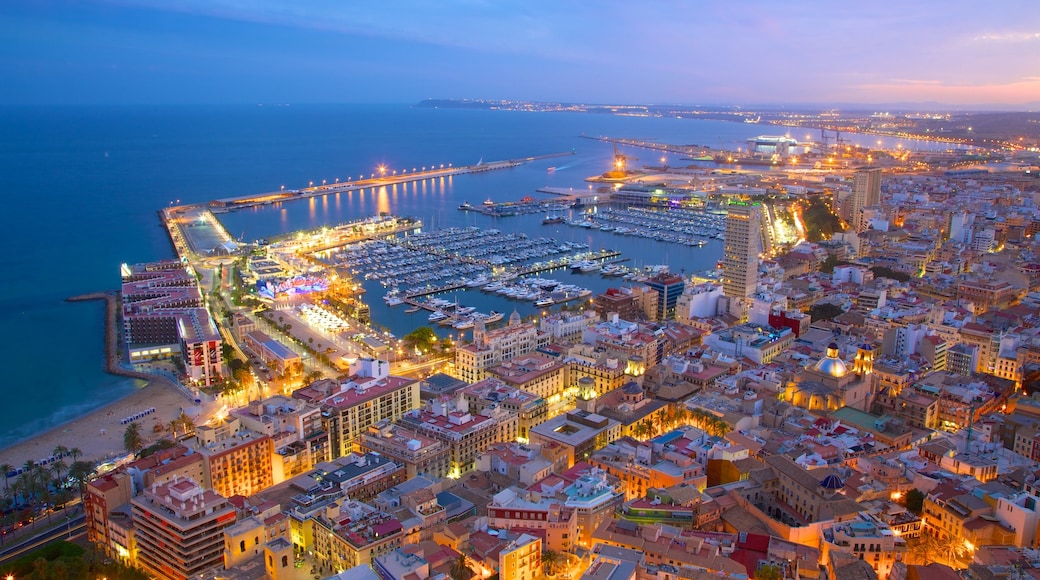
(382, 170)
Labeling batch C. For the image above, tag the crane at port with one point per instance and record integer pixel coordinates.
(621, 160)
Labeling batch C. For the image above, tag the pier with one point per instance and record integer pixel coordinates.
(232, 203)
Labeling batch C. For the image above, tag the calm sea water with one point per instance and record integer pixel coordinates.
(82, 186)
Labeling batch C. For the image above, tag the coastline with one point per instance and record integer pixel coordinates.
(99, 433)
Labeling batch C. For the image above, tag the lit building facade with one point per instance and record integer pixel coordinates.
(179, 529)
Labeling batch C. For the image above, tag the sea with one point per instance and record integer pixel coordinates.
(84, 184)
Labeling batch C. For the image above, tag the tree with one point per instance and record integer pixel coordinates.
(7, 469)
(827, 266)
(132, 440)
(74, 453)
(768, 572)
(883, 272)
(460, 569)
(80, 473)
(550, 559)
(422, 339)
(913, 500)
(825, 311)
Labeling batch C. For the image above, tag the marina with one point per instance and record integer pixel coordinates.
(688, 227)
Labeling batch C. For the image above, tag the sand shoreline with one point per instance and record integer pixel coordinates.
(99, 434)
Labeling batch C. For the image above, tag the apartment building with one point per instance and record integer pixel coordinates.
(179, 529)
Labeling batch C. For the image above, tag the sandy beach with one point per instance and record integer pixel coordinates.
(99, 435)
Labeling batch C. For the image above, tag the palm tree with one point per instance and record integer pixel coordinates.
(681, 415)
(132, 440)
(7, 469)
(74, 453)
(460, 569)
(80, 473)
(186, 422)
(550, 559)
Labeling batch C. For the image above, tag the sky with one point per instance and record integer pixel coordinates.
(957, 52)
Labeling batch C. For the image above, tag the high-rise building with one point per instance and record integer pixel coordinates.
(743, 244)
(180, 529)
(866, 192)
(669, 288)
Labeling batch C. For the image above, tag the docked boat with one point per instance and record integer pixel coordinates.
(437, 316)
(547, 301)
(412, 310)
(488, 202)
(463, 324)
(494, 317)
(552, 219)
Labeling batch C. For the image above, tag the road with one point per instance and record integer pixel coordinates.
(72, 528)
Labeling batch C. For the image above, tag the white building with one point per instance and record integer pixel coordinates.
(700, 301)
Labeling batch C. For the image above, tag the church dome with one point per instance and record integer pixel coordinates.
(832, 482)
(514, 318)
(832, 364)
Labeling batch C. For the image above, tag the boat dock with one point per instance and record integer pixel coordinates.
(410, 297)
(232, 203)
(579, 196)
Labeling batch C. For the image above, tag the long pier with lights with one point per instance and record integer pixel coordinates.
(382, 178)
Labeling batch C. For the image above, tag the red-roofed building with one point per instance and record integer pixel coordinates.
(352, 406)
(100, 498)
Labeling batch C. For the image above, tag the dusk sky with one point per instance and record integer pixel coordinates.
(956, 52)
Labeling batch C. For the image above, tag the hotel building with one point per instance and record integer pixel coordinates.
(740, 255)
(163, 313)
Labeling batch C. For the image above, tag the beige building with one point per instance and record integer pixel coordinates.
(179, 529)
(420, 454)
(867, 539)
(866, 192)
(465, 434)
(237, 461)
(521, 559)
(743, 246)
(577, 433)
(351, 406)
(491, 347)
(535, 373)
(352, 534)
